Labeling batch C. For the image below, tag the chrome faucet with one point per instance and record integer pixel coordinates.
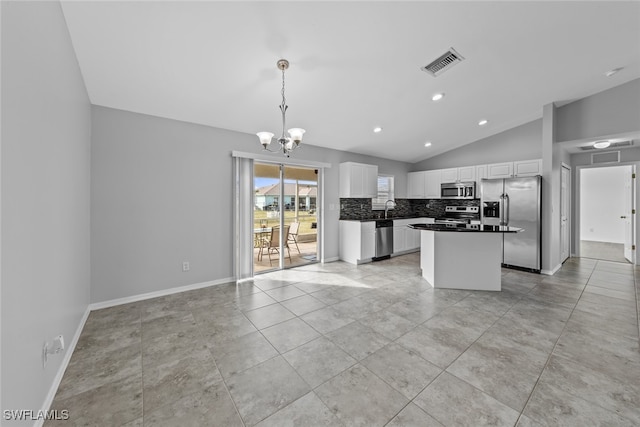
(386, 207)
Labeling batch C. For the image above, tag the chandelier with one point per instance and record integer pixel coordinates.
(287, 143)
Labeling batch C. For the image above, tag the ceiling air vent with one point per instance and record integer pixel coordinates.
(443, 63)
(620, 144)
(608, 157)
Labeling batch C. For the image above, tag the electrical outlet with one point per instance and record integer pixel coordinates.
(185, 266)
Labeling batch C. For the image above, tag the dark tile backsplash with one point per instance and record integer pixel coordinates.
(355, 209)
(430, 208)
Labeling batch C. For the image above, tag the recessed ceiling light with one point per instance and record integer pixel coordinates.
(612, 72)
(483, 122)
(601, 144)
(437, 97)
(427, 144)
(377, 129)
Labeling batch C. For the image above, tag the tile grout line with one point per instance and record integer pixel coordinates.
(555, 345)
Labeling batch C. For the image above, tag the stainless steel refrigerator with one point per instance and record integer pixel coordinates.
(515, 202)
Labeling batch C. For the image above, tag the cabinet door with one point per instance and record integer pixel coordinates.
(481, 172)
(527, 167)
(368, 240)
(449, 175)
(432, 181)
(356, 187)
(399, 239)
(413, 239)
(358, 180)
(370, 181)
(467, 173)
(500, 170)
(415, 185)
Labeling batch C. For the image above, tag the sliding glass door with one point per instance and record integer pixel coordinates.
(285, 216)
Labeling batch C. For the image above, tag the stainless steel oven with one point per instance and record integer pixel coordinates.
(458, 190)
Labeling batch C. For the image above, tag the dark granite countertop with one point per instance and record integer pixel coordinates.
(473, 228)
(376, 219)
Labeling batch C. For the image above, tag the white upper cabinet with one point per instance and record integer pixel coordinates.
(424, 185)
(432, 181)
(514, 169)
(467, 174)
(481, 172)
(527, 167)
(500, 170)
(415, 185)
(449, 175)
(358, 180)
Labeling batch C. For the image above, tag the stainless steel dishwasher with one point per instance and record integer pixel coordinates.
(384, 239)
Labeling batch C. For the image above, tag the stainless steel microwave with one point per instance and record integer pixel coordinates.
(458, 190)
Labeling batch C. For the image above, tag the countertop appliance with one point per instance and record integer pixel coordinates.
(459, 215)
(384, 239)
(458, 190)
(515, 202)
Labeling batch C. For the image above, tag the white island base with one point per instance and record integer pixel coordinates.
(461, 260)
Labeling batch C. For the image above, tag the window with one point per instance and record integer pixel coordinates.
(385, 192)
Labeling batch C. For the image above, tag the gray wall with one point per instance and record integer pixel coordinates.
(610, 112)
(161, 193)
(45, 197)
(520, 143)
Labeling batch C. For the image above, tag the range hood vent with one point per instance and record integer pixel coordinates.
(443, 63)
(619, 144)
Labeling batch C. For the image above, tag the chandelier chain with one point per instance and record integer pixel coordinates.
(283, 106)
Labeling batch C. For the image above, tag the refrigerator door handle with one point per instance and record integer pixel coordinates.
(506, 209)
(501, 209)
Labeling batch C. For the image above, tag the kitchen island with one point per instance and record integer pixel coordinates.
(462, 256)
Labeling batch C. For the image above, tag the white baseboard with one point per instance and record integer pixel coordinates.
(105, 304)
(551, 272)
(149, 295)
(63, 366)
(327, 260)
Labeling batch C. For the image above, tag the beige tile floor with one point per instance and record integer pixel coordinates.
(339, 345)
(602, 250)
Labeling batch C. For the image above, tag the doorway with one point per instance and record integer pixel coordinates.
(285, 218)
(606, 213)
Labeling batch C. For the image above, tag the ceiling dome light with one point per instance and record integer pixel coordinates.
(377, 129)
(601, 144)
(427, 144)
(437, 97)
(483, 122)
(612, 72)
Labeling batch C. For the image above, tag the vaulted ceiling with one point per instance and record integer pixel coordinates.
(355, 65)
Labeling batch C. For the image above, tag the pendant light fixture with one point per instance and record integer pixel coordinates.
(287, 143)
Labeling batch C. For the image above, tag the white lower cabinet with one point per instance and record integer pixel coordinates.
(407, 239)
(357, 241)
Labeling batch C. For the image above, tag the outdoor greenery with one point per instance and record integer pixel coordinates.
(305, 220)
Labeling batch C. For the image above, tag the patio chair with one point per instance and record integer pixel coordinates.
(293, 234)
(273, 244)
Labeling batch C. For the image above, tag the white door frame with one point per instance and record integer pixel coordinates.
(576, 216)
(567, 203)
(264, 158)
